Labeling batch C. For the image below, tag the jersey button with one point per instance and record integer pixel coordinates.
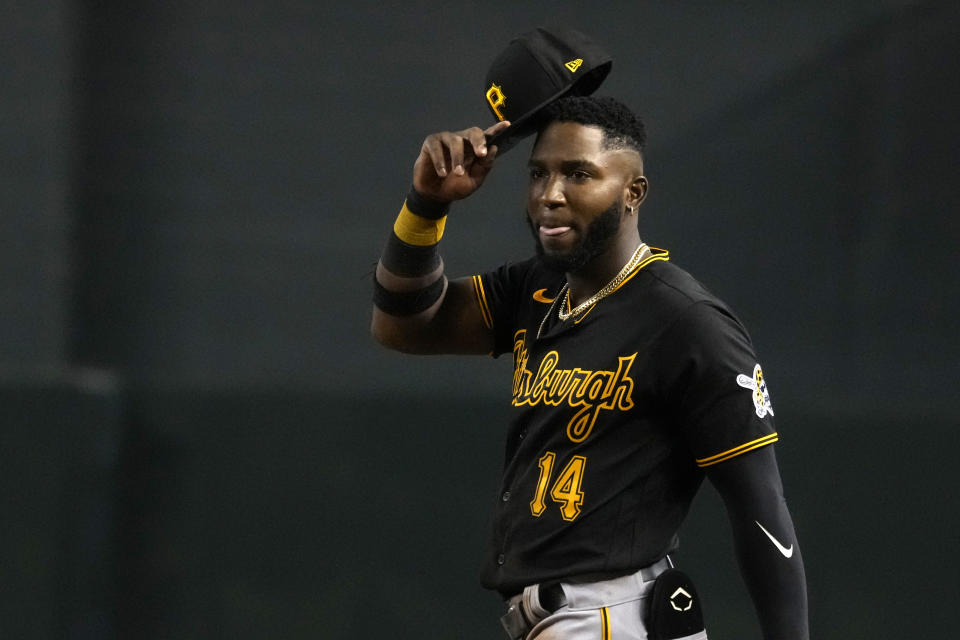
(506, 496)
(500, 559)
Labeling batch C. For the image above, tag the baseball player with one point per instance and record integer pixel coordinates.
(631, 382)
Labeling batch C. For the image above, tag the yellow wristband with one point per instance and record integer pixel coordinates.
(417, 230)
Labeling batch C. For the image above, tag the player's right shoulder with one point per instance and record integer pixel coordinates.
(515, 289)
(521, 275)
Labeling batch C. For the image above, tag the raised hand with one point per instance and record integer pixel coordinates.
(453, 164)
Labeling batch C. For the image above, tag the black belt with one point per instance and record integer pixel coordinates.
(551, 596)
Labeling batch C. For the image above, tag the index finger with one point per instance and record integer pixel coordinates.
(489, 132)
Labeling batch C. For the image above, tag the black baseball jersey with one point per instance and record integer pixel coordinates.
(616, 412)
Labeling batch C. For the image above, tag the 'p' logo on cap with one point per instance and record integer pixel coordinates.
(496, 99)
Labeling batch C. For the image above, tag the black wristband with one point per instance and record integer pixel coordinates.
(425, 206)
(407, 303)
(408, 260)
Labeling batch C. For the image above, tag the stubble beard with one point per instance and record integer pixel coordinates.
(599, 235)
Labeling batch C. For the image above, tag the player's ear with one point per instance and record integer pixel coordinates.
(637, 192)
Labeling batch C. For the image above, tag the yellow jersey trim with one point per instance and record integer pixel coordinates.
(585, 313)
(604, 624)
(417, 230)
(663, 255)
(482, 301)
(736, 451)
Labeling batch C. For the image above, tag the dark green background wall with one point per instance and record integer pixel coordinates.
(201, 441)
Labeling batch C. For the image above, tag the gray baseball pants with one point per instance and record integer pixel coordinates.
(606, 610)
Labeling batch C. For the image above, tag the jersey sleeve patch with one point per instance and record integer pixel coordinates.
(736, 451)
(761, 396)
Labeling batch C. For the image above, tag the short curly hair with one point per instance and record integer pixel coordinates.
(621, 127)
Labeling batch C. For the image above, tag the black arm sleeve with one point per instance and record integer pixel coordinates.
(765, 542)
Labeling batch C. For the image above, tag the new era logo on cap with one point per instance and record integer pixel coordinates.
(536, 68)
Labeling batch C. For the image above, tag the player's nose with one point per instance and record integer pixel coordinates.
(552, 195)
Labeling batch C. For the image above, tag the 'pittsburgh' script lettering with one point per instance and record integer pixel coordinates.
(590, 391)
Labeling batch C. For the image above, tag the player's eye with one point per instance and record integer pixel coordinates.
(536, 173)
(580, 174)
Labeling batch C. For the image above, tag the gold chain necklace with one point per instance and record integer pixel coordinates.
(607, 289)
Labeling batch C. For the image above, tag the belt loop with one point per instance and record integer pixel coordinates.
(534, 607)
(650, 572)
(524, 612)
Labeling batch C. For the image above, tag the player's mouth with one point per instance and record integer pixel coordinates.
(549, 233)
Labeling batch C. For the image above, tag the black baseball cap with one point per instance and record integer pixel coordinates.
(535, 69)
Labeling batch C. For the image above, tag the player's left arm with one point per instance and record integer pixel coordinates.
(765, 541)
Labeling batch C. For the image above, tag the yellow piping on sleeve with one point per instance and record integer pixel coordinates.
(482, 301)
(736, 451)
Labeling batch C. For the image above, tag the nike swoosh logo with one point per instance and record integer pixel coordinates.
(787, 552)
(539, 297)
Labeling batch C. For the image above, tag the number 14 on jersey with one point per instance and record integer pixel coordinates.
(565, 491)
